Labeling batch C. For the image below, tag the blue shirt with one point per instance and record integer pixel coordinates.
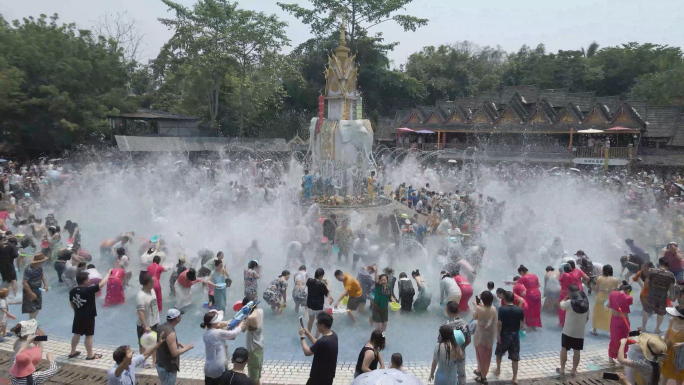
(127, 377)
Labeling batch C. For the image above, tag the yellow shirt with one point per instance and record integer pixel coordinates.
(352, 286)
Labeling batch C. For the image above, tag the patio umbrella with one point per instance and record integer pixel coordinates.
(590, 131)
(622, 129)
(405, 129)
(3, 160)
(387, 377)
(425, 132)
(55, 160)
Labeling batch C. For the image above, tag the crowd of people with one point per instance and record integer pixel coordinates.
(454, 221)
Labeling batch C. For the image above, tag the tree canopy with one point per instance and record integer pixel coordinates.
(58, 83)
(224, 65)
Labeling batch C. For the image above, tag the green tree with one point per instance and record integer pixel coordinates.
(361, 15)
(622, 65)
(459, 70)
(58, 83)
(660, 88)
(215, 38)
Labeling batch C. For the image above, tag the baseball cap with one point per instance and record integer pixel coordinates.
(240, 355)
(173, 313)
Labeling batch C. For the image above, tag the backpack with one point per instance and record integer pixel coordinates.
(579, 302)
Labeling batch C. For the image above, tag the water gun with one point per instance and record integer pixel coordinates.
(242, 314)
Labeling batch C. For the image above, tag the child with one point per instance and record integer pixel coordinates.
(406, 292)
(4, 314)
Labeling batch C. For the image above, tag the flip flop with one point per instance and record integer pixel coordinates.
(74, 355)
(94, 357)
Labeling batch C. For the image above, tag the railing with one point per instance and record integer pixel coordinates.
(577, 152)
(598, 152)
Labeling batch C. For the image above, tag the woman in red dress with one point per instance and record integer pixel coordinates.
(619, 301)
(532, 296)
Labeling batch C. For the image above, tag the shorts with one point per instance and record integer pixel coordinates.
(356, 257)
(314, 313)
(354, 302)
(9, 276)
(510, 342)
(570, 343)
(255, 363)
(83, 326)
(141, 331)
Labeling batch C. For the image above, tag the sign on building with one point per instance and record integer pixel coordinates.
(600, 162)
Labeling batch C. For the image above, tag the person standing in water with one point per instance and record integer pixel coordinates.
(147, 310)
(352, 288)
(317, 292)
(406, 292)
(252, 274)
(82, 299)
(449, 289)
(219, 279)
(532, 296)
(155, 270)
(253, 325)
(380, 303)
(605, 285)
(343, 240)
(276, 293)
(33, 283)
(300, 292)
(424, 297)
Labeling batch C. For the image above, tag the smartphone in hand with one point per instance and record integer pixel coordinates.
(610, 376)
(301, 322)
(40, 338)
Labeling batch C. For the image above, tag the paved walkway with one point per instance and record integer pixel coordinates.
(539, 369)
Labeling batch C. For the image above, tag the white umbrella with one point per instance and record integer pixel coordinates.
(590, 131)
(575, 170)
(176, 163)
(387, 377)
(452, 161)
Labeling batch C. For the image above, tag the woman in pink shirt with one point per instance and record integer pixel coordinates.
(619, 301)
(155, 270)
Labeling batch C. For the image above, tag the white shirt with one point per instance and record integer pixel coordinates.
(93, 274)
(574, 323)
(3, 316)
(127, 377)
(148, 304)
(360, 246)
(215, 350)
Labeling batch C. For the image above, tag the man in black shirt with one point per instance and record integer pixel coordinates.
(315, 299)
(237, 376)
(82, 299)
(323, 349)
(8, 253)
(511, 321)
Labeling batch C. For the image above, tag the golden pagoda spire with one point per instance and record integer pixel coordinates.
(342, 51)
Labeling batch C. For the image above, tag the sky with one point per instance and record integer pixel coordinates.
(510, 24)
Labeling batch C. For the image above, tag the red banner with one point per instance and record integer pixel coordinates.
(321, 109)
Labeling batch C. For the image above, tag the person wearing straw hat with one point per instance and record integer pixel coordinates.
(23, 370)
(674, 337)
(647, 369)
(32, 283)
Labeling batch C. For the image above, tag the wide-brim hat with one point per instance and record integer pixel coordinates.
(675, 312)
(652, 346)
(39, 258)
(23, 365)
(28, 328)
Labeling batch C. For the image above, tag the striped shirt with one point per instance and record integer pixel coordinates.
(38, 377)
